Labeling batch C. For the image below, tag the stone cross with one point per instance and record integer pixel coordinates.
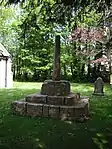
(98, 87)
(56, 66)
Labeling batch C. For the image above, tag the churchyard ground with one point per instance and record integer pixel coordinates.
(18, 132)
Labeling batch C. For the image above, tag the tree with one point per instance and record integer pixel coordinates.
(64, 9)
(56, 15)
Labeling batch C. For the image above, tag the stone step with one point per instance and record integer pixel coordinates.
(36, 98)
(63, 112)
(69, 100)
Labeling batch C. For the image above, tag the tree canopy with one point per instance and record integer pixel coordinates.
(31, 27)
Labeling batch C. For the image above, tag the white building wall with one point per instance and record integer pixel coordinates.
(2, 73)
(9, 74)
(6, 75)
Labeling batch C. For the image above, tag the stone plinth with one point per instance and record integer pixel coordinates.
(55, 101)
(55, 88)
(51, 111)
(65, 111)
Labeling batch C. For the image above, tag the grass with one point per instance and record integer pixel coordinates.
(17, 132)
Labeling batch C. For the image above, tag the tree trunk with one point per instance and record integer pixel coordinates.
(14, 71)
(72, 72)
(88, 74)
(82, 69)
(65, 73)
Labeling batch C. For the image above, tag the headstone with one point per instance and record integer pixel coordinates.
(98, 87)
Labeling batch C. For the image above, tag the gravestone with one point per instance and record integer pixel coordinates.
(98, 87)
(55, 99)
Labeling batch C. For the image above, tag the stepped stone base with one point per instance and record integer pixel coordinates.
(54, 101)
(71, 99)
(31, 107)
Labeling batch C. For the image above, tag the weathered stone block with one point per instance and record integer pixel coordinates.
(36, 98)
(72, 99)
(53, 111)
(71, 113)
(67, 112)
(82, 108)
(77, 96)
(55, 88)
(55, 100)
(19, 107)
(45, 110)
(79, 112)
(34, 109)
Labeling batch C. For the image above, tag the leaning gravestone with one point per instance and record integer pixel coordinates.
(98, 87)
(55, 99)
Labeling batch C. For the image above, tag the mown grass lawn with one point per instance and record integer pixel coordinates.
(17, 132)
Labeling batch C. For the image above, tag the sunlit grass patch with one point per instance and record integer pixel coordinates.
(28, 85)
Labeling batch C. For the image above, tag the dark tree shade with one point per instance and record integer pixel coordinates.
(62, 10)
(15, 1)
(75, 3)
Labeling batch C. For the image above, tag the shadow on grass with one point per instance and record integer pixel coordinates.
(17, 132)
(24, 132)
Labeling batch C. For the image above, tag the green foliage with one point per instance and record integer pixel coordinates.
(100, 141)
(28, 30)
(62, 10)
(5, 23)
